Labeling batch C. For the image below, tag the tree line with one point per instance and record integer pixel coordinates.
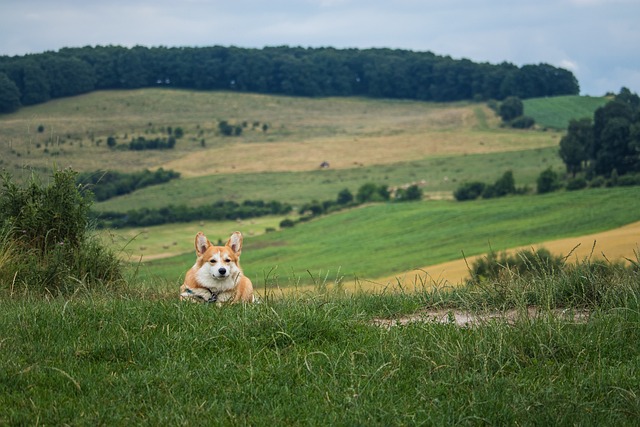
(108, 184)
(378, 73)
(609, 143)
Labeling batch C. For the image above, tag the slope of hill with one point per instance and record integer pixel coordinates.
(556, 112)
(387, 239)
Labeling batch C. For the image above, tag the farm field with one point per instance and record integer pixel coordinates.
(556, 112)
(301, 132)
(375, 242)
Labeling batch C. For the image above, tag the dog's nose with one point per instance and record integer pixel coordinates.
(222, 270)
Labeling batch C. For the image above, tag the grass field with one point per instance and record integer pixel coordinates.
(382, 240)
(567, 353)
(322, 359)
(302, 132)
(438, 175)
(556, 112)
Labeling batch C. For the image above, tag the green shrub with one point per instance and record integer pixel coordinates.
(469, 190)
(526, 262)
(548, 181)
(522, 122)
(45, 236)
(576, 184)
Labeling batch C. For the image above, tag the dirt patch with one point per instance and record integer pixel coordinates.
(468, 319)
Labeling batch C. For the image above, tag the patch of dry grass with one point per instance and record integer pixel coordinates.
(301, 132)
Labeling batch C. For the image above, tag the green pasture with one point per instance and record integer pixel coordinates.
(383, 239)
(556, 112)
(441, 176)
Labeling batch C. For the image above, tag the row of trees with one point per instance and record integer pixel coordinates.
(32, 79)
(219, 211)
(609, 142)
(107, 184)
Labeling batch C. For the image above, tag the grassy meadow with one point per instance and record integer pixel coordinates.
(301, 132)
(556, 112)
(553, 348)
(382, 240)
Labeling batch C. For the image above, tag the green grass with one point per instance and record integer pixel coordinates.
(556, 112)
(319, 360)
(382, 240)
(440, 174)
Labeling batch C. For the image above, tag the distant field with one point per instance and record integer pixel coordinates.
(301, 132)
(438, 176)
(556, 112)
(382, 240)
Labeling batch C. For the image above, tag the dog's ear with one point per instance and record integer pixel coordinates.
(235, 242)
(202, 243)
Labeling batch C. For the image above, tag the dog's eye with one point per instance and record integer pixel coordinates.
(227, 260)
(212, 261)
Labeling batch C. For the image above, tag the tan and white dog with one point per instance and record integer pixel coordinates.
(216, 276)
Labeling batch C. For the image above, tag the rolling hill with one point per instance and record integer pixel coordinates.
(277, 154)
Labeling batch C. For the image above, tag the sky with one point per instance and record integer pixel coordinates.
(598, 40)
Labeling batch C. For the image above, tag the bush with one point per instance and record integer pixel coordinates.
(522, 122)
(370, 192)
(45, 235)
(548, 181)
(503, 186)
(492, 265)
(287, 223)
(413, 192)
(576, 184)
(469, 191)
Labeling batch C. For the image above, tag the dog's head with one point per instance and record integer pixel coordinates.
(217, 263)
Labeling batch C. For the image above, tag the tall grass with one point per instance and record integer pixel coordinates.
(318, 358)
(46, 245)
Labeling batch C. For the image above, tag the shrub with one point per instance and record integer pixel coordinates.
(548, 181)
(491, 266)
(576, 184)
(370, 192)
(522, 122)
(469, 191)
(46, 235)
(413, 192)
(287, 223)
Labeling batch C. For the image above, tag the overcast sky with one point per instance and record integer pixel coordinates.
(599, 40)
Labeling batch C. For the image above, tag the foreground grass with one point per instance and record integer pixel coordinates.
(319, 359)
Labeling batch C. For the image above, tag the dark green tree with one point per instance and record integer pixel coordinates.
(9, 95)
(344, 197)
(576, 144)
(511, 108)
(547, 181)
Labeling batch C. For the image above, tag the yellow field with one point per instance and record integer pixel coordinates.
(615, 245)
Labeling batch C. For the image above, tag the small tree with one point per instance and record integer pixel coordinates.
(344, 197)
(511, 108)
(413, 192)
(547, 181)
(469, 191)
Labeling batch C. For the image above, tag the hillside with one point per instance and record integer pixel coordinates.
(388, 239)
(556, 112)
(394, 142)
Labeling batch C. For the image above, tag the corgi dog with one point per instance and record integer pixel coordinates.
(216, 276)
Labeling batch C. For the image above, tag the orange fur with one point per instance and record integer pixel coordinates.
(216, 276)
